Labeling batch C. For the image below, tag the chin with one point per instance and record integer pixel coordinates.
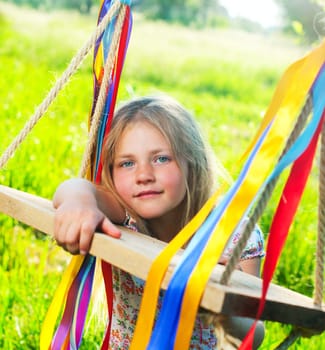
(150, 215)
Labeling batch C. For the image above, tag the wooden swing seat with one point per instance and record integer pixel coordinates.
(135, 253)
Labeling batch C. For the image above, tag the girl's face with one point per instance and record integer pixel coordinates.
(146, 175)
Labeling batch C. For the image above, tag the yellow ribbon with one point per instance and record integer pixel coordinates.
(58, 301)
(288, 100)
(157, 272)
(99, 62)
(74, 266)
(290, 94)
(303, 73)
(281, 92)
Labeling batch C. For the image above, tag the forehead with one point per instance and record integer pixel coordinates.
(141, 133)
(143, 129)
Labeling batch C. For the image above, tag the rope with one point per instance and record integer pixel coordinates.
(265, 196)
(100, 103)
(295, 333)
(225, 341)
(319, 272)
(289, 340)
(73, 66)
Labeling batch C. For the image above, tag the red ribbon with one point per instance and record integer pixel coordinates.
(108, 279)
(117, 70)
(282, 220)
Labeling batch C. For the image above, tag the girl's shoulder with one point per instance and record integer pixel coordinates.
(254, 246)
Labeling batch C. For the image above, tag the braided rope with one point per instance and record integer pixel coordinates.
(227, 341)
(100, 103)
(319, 271)
(265, 196)
(295, 333)
(290, 339)
(72, 68)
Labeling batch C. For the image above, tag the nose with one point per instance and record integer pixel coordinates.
(145, 173)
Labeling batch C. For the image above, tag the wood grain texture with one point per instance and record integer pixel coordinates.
(135, 252)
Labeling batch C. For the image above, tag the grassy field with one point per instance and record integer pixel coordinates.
(225, 77)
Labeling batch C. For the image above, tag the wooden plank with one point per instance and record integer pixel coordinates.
(135, 252)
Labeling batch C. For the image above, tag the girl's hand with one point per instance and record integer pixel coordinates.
(80, 211)
(75, 223)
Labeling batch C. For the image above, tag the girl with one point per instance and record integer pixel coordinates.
(157, 174)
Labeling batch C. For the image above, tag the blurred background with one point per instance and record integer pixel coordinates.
(299, 17)
(221, 59)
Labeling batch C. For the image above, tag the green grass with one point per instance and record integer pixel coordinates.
(225, 77)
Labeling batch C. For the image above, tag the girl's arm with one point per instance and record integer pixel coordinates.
(81, 208)
(239, 326)
(251, 266)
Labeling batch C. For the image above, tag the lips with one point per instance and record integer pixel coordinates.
(148, 194)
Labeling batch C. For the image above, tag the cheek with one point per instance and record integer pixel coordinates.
(122, 184)
(176, 182)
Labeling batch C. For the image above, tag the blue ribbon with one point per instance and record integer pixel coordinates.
(164, 332)
(126, 2)
(107, 38)
(302, 142)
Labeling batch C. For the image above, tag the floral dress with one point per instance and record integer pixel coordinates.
(128, 291)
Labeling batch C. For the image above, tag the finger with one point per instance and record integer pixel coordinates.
(110, 229)
(86, 236)
(71, 248)
(62, 225)
(60, 233)
(70, 238)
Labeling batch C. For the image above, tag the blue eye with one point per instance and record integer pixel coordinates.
(162, 159)
(127, 164)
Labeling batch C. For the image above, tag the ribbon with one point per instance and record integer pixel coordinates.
(83, 281)
(106, 120)
(108, 280)
(282, 222)
(288, 101)
(165, 329)
(100, 56)
(157, 272)
(288, 203)
(76, 286)
(245, 197)
(58, 300)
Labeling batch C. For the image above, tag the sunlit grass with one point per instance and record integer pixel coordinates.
(226, 78)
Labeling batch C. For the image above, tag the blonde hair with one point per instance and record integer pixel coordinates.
(182, 132)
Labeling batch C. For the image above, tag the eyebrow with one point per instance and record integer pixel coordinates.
(154, 151)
